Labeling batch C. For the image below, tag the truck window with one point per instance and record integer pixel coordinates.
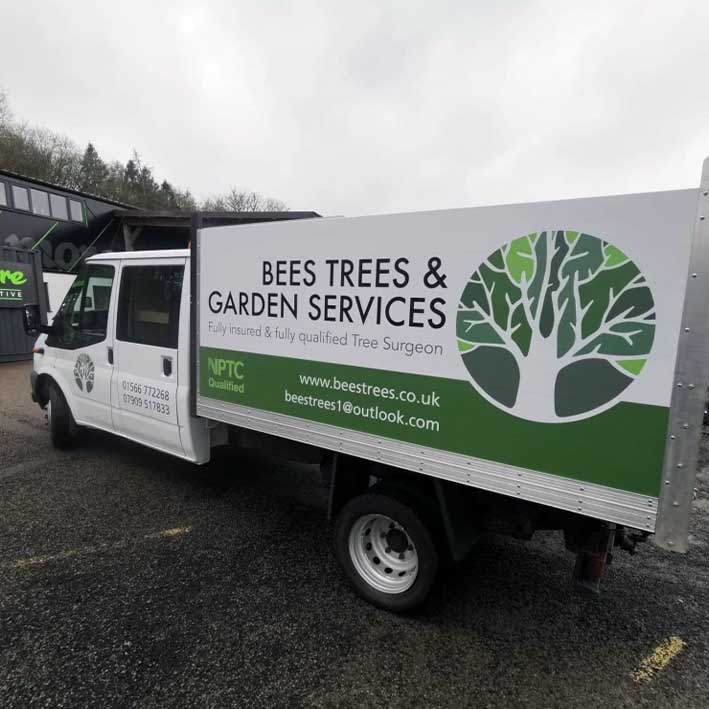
(82, 318)
(149, 305)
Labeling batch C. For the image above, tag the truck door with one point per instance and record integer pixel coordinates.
(146, 353)
(81, 343)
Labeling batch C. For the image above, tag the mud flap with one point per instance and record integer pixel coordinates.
(592, 560)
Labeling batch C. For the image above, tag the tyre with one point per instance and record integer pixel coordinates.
(386, 551)
(62, 429)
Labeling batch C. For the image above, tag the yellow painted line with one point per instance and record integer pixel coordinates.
(174, 532)
(660, 657)
(48, 558)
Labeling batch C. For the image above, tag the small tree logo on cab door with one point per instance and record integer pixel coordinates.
(554, 326)
(84, 373)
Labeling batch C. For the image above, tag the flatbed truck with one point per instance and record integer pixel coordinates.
(506, 369)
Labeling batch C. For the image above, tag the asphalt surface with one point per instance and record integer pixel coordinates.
(128, 578)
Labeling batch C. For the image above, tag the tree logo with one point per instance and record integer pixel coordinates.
(553, 326)
(84, 372)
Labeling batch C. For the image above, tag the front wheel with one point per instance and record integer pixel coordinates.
(62, 428)
(386, 551)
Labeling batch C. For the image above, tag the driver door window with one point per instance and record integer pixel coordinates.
(82, 319)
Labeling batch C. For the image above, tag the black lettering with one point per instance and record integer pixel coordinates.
(331, 270)
(272, 307)
(308, 267)
(382, 269)
(257, 309)
(292, 307)
(281, 272)
(346, 268)
(218, 307)
(267, 273)
(397, 299)
(399, 267)
(229, 304)
(345, 307)
(365, 269)
(330, 308)
(414, 310)
(440, 321)
(364, 313)
(314, 313)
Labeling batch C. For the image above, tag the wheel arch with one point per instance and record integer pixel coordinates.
(436, 500)
(44, 381)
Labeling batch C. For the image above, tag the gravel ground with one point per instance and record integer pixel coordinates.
(127, 578)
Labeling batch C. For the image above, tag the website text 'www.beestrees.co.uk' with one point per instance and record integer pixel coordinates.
(365, 411)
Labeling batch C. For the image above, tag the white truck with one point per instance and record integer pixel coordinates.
(510, 368)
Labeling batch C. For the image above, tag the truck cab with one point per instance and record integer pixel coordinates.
(116, 356)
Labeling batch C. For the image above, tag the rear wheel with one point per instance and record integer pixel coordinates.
(386, 551)
(62, 428)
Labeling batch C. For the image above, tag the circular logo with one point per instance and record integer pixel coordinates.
(553, 326)
(84, 372)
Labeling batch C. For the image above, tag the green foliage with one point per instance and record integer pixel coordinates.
(243, 201)
(45, 155)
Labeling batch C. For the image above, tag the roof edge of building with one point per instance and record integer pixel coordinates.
(61, 188)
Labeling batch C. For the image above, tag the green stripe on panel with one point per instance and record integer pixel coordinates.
(622, 447)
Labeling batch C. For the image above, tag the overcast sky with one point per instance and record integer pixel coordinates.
(366, 107)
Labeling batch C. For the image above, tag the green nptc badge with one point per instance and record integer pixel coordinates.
(226, 374)
(555, 325)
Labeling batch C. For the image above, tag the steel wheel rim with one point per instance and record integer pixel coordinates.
(383, 554)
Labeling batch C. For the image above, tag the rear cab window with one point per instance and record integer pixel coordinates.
(149, 305)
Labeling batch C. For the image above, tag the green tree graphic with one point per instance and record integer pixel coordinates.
(555, 325)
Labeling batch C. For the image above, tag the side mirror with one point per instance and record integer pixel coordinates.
(31, 320)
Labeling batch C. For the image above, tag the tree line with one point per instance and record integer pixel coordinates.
(46, 155)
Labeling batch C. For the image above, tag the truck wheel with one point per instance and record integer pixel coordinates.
(62, 428)
(386, 551)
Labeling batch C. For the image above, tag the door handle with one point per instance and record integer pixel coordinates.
(109, 354)
(167, 366)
